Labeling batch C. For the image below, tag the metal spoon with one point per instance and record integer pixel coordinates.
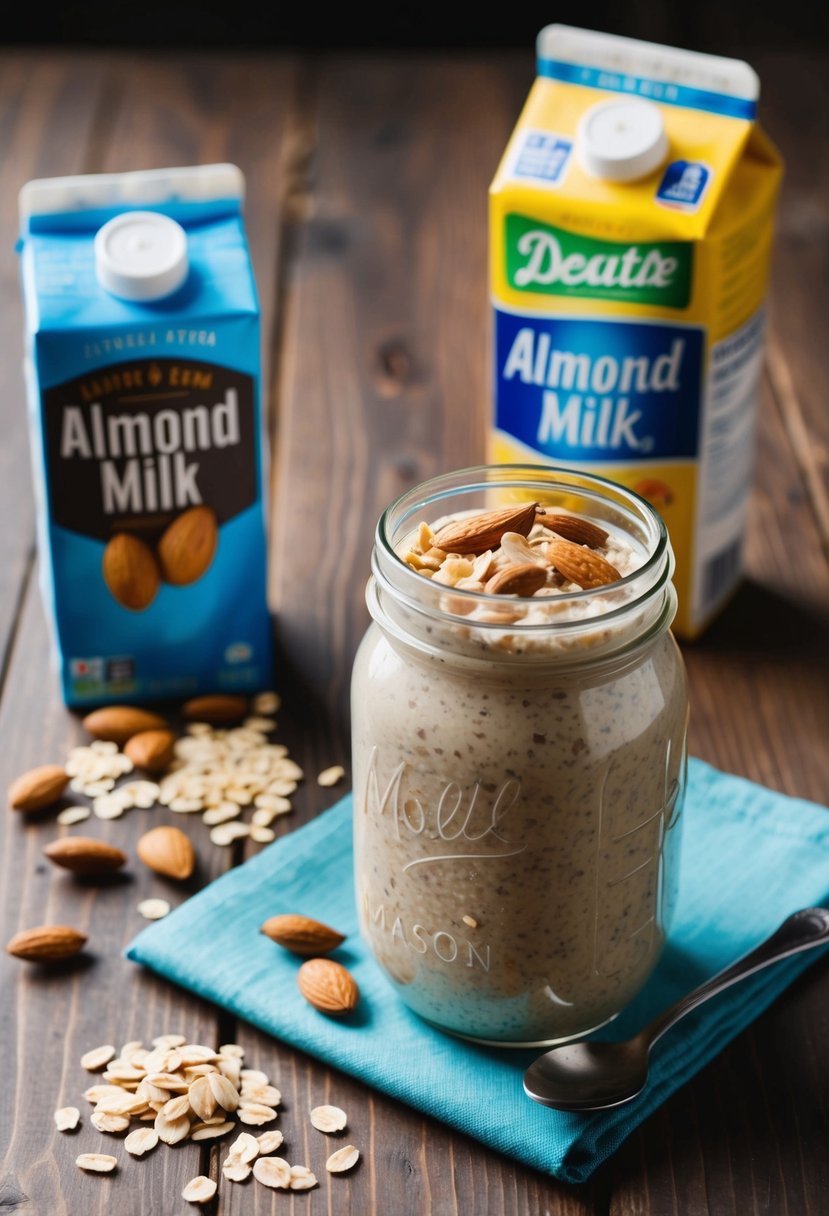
(593, 1076)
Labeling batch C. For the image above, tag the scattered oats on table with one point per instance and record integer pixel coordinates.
(331, 776)
(328, 1119)
(343, 1159)
(199, 1190)
(153, 909)
(67, 1118)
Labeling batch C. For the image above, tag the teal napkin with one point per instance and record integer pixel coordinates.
(750, 857)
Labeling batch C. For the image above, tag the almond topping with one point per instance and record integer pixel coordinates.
(478, 533)
(522, 580)
(581, 566)
(574, 528)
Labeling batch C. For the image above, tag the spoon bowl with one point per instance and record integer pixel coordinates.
(586, 1076)
(594, 1076)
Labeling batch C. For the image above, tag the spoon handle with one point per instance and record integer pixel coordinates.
(801, 931)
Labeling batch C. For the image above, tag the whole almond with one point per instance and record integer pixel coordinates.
(302, 935)
(85, 855)
(46, 943)
(328, 986)
(574, 528)
(151, 749)
(581, 566)
(118, 723)
(478, 533)
(167, 851)
(131, 571)
(187, 547)
(524, 579)
(38, 788)
(216, 707)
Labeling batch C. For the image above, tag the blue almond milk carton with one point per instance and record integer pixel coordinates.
(142, 368)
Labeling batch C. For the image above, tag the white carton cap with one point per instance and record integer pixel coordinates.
(141, 255)
(622, 139)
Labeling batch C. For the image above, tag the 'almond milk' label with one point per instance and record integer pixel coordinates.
(141, 441)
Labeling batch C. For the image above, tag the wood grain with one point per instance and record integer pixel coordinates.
(797, 116)
(164, 112)
(47, 104)
(366, 211)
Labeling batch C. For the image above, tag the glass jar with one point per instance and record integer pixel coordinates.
(518, 786)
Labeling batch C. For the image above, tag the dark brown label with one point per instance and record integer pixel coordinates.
(133, 445)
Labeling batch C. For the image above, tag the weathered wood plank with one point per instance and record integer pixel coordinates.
(796, 114)
(155, 112)
(47, 107)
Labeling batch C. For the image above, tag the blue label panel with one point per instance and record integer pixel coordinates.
(683, 184)
(598, 390)
(543, 156)
(664, 91)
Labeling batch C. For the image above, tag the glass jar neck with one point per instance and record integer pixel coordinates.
(606, 624)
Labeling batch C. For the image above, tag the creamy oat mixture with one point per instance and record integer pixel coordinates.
(516, 823)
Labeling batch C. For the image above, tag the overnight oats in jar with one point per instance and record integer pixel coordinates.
(519, 720)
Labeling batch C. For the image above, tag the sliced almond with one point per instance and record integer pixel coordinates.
(176, 1107)
(67, 1118)
(96, 1163)
(199, 1190)
(153, 909)
(302, 1179)
(274, 1172)
(168, 1082)
(211, 1131)
(270, 1141)
(581, 566)
(109, 1123)
(141, 1141)
(225, 1094)
(523, 580)
(201, 1098)
(264, 1095)
(244, 1148)
(328, 1119)
(236, 1171)
(98, 1057)
(255, 1113)
(72, 814)
(343, 1159)
(172, 1131)
(478, 533)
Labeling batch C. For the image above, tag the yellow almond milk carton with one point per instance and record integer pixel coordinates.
(630, 236)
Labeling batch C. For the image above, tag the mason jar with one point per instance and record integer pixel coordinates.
(518, 773)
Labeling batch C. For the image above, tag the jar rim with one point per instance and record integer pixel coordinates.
(656, 570)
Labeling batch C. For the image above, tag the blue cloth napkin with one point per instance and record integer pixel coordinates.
(750, 857)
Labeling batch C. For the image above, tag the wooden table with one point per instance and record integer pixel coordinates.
(367, 216)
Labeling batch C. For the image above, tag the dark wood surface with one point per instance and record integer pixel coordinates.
(367, 217)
